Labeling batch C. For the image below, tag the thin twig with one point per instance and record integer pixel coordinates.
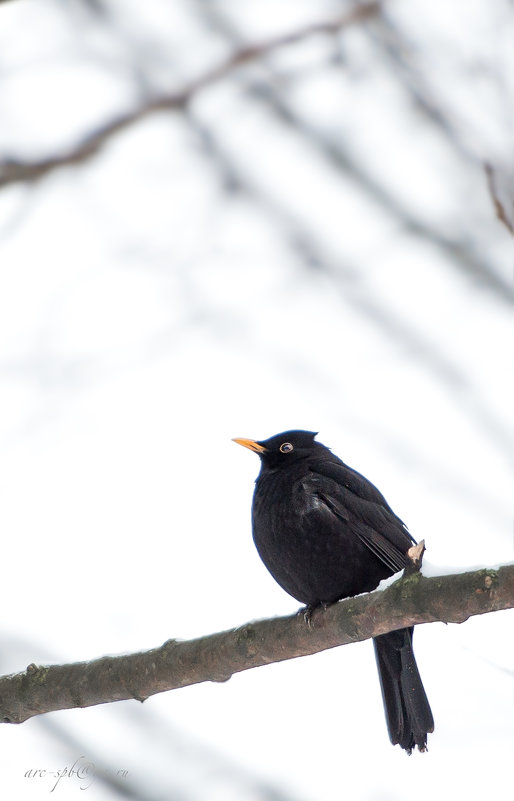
(498, 205)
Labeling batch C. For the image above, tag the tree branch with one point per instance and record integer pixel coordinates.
(14, 170)
(410, 600)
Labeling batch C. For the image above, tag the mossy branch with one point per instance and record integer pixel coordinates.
(410, 600)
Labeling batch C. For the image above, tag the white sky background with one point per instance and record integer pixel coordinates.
(216, 273)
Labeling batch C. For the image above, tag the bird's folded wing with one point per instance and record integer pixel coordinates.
(382, 546)
(347, 477)
(356, 501)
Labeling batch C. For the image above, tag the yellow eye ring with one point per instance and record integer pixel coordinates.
(286, 447)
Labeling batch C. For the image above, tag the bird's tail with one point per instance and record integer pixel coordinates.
(408, 714)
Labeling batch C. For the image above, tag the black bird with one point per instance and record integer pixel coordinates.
(325, 533)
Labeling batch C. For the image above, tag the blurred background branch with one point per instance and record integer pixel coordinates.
(13, 170)
(503, 211)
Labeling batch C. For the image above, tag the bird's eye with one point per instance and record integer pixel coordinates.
(286, 447)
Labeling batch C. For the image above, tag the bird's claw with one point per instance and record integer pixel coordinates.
(308, 611)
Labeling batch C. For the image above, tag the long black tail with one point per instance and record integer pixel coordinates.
(408, 714)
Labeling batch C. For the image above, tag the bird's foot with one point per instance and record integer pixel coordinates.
(308, 611)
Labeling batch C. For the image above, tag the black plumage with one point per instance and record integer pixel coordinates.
(325, 533)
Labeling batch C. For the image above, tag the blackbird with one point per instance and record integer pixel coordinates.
(325, 533)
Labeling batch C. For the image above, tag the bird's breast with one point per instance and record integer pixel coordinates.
(284, 502)
(291, 523)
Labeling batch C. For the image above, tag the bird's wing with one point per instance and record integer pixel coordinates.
(360, 486)
(381, 545)
(356, 501)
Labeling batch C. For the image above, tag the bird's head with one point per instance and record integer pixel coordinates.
(283, 449)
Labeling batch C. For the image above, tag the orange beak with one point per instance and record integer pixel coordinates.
(251, 444)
